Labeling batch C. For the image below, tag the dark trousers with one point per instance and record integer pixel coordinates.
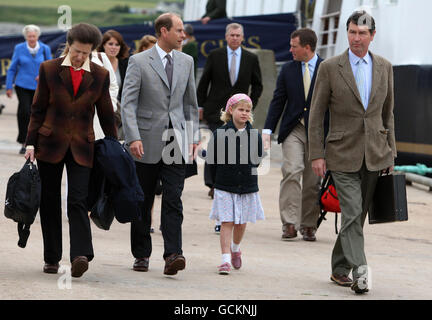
(208, 180)
(25, 99)
(51, 212)
(172, 177)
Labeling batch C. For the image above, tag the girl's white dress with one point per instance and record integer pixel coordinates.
(237, 208)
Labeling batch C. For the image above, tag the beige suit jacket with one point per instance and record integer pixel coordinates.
(355, 135)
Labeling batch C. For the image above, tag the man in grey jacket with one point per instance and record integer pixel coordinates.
(160, 120)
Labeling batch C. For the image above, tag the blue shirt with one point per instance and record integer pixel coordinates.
(24, 68)
(238, 58)
(312, 65)
(369, 66)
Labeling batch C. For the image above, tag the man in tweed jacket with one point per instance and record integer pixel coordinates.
(357, 89)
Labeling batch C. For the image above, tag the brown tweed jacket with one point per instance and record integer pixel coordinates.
(59, 120)
(355, 135)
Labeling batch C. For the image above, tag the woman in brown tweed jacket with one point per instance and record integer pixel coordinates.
(61, 134)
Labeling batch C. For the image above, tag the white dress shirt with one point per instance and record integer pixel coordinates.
(162, 54)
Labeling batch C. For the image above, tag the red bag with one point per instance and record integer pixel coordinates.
(329, 199)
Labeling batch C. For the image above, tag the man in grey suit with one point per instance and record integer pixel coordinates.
(160, 121)
(357, 89)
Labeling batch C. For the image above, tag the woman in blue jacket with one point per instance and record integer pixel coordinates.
(23, 72)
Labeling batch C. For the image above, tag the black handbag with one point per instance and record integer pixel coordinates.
(389, 202)
(23, 195)
(102, 212)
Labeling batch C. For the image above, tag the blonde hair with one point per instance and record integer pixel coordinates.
(226, 116)
(145, 42)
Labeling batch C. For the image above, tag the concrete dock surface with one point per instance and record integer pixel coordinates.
(399, 254)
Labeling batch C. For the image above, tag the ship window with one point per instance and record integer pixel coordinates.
(334, 6)
(329, 27)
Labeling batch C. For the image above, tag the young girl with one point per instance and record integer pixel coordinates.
(236, 200)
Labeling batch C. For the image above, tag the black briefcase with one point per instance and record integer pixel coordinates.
(389, 203)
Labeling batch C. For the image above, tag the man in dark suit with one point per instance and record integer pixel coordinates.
(215, 9)
(298, 203)
(61, 134)
(227, 71)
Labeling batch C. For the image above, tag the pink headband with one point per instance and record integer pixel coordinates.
(237, 98)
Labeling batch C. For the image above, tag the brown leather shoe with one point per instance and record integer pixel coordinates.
(79, 266)
(308, 234)
(289, 232)
(51, 268)
(341, 280)
(141, 264)
(174, 263)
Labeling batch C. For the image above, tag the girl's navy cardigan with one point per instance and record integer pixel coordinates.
(241, 176)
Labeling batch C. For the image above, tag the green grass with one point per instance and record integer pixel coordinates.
(82, 5)
(48, 16)
(44, 12)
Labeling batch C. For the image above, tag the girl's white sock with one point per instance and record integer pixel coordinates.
(235, 247)
(226, 258)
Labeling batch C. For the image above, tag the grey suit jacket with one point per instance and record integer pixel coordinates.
(148, 105)
(354, 134)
